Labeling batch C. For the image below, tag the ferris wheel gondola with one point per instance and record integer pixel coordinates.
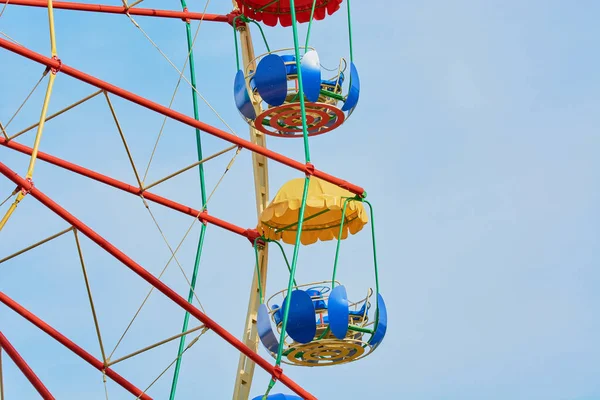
(324, 327)
(279, 11)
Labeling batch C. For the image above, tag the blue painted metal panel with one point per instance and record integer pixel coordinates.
(381, 324)
(353, 94)
(311, 75)
(290, 64)
(317, 298)
(242, 99)
(338, 312)
(361, 312)
(302, 325)
(265, 332)
(271, 79)
(278, 396)
(335, 81)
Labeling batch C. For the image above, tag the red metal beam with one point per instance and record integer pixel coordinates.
(71, 346)
(306, 168)
(101, 8)
(204, 216)
(152, 280)
(25, 369)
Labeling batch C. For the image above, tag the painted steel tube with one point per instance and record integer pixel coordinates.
(125, 187)
(16, 307)
(101, 8)
(151, 279)
(6, 346)
(306, 168)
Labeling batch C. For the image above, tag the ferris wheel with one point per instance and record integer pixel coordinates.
(283, 94)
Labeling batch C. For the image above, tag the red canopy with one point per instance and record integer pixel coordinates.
(280, 11)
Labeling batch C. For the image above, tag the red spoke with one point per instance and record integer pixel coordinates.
(306, 168)
(101, 8)
(275, 371)
(25, 368)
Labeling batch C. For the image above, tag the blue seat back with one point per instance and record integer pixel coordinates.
(242, 98)
(290, 64)
(265, 332)
(301, 325)
(338, 312)
(271, 79)
(318, 301)
(379, 334)
(354, 94)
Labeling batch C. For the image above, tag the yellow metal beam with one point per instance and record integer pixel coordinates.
(245, 370)
(38, 136)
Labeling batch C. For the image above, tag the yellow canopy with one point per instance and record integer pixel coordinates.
(322, 217)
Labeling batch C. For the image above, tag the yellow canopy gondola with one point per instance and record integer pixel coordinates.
(322, 218)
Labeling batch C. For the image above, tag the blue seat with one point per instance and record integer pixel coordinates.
(360, 313)
(292, 69)
(290, 64)
(278, 396)
(319, 303)
(333, 82)
(278, 315)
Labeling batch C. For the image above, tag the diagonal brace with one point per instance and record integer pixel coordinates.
(59, 337)
(25, 369)
(306, 168)
(274, 371)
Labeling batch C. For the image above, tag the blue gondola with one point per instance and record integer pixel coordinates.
(324, 327)
(274, 85)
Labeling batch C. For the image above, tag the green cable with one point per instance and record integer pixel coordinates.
(375, 262)
(350, 32)
(374, 245)
(312, 14)
(260, 290)
(235, 39)
(284, 258)
(300, 85)
(339, 241)
(267, 5)
(262, 33)
(203, 196)
(306, 184)
(237, 53)
(294, 265)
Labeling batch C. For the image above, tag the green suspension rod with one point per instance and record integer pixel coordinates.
(339, 241)
(203, 195)
(312, 14)
(300, 85)
(374, 245)
(306, 184)
(350, 31)
(286, 309)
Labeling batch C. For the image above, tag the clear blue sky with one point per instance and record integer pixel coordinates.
(476, 138)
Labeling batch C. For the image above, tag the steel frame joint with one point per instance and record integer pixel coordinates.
(310, 169)
(233, 16)
(56, 69)
(277, 373)
(202, 217)
(186, 19)
(253, 235)
(26, 190)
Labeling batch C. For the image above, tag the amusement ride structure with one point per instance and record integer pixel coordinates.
(285, 94)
